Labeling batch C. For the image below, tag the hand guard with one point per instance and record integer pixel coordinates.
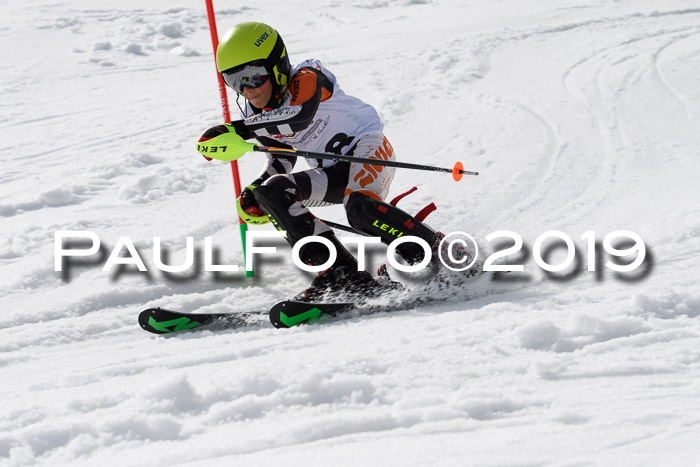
(249, 209)
(221, 142)
(248, 202)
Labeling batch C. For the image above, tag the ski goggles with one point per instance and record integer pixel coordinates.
(250, 75)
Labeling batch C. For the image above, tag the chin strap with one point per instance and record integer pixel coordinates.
(238, 96)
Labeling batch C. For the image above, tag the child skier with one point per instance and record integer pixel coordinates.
(304, 108)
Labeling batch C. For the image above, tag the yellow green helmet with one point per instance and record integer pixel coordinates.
(254, 43)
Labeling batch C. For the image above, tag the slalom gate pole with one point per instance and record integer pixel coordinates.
(227, 119)
(457, 171)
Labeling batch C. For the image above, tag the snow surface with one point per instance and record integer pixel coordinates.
(580, 116)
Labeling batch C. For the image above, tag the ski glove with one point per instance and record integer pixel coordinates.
(221, 142)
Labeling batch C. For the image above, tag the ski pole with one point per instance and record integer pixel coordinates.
(346, 228)
(457, 171)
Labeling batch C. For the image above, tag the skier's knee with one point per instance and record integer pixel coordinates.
(278, 197)
(357, 208)
(278, 190)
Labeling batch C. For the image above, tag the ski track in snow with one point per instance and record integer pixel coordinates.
(579, 116)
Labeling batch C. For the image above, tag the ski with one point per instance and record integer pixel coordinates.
(284, 314)
(162, 321)
(290, 313)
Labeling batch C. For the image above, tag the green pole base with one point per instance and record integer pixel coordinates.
(244, 231)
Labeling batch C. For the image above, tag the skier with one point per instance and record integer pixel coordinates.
(304, 108)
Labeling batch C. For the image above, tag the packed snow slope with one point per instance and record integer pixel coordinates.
(580, 115)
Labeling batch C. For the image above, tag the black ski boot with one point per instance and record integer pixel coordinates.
(342, 281)
(336, 284)
(440, 260)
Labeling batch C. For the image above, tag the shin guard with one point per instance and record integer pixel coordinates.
(378, 218)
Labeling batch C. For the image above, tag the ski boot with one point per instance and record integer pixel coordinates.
(442, 275)
(342, 281)
(339, 282)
